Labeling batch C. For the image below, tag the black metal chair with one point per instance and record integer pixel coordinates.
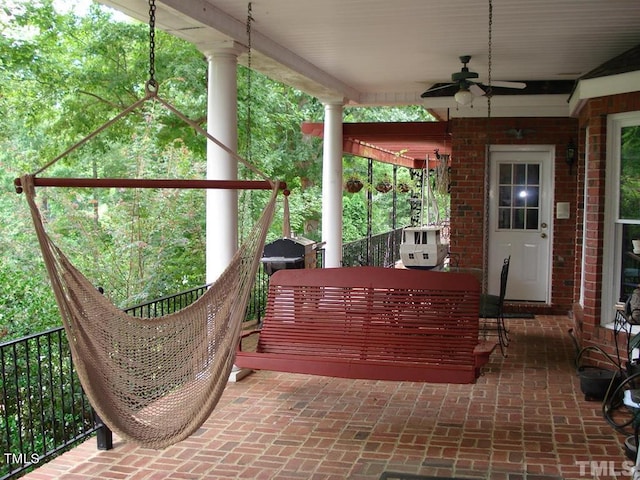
(491, 306)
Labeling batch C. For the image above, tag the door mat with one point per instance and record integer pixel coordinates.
(519, 315)
(411, 476)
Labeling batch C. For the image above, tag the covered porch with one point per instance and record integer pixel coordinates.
(526, 418)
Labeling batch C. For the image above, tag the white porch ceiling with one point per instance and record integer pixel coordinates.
(381, 52)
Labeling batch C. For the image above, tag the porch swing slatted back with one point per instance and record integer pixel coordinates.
(371, 323)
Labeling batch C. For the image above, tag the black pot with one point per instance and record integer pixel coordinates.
(630, 447)
(595, 381)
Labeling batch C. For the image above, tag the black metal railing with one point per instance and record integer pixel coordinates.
(173, 303)
(165, 305)
(381, 250)
(44, 410)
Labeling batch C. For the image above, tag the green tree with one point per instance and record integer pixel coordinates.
(270, 115)
(408, 113)
(630, 173)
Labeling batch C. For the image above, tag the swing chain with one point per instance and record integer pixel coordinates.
(152, 83)
(490, 50)
(249, 76)
(249, 21)
(487, 179)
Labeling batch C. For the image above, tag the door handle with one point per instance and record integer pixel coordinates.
(543, 235)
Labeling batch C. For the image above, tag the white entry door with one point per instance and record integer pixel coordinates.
(520, 216)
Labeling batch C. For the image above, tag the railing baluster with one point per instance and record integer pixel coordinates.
(43, 428)
(18, 402)
(50, 390)
(5, 404)
(63, 423)
(72, 392)
(28, 400)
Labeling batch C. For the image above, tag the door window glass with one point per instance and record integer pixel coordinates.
(518, 196)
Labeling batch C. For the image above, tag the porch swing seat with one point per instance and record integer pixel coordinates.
(370, 323)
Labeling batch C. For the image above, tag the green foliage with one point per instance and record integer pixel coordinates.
(70, 74)
(62, 77)
(136, 244)
(630, 173)
(29, 308)
(269, 116)
(382, 203)
(410, 113)
(355, 209)
(26, 300)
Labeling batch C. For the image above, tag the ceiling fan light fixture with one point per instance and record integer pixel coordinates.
(464, 97)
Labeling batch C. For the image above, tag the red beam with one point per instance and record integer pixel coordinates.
(401, 143)
(398, 131)
(359, 149)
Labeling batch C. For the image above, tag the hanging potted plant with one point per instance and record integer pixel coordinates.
(384, 185)
(353, 185)
(403, 187)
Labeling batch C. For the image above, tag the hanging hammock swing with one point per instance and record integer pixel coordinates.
(153, 381)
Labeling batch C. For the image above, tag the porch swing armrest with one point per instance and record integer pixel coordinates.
(483, 351)
(246, 334)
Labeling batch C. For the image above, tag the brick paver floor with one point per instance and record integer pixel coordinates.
(525, 419)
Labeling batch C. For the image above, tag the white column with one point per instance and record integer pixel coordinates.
(332, 185)
(222, 124)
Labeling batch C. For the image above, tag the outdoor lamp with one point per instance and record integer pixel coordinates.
(572, 153)
(464, 96)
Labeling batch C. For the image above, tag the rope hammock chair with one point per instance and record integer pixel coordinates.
(153, 381)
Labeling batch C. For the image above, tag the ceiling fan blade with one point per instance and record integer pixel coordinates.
(518, 85)
(435, 89)
(477, 90)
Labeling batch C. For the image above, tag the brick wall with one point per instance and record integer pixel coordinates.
(594, 115)
(469, 139)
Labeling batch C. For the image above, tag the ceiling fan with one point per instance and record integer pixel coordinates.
(467, 88)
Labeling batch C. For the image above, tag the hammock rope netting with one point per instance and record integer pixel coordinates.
(153, 381)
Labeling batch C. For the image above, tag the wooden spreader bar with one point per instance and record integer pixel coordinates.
(150, 183)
